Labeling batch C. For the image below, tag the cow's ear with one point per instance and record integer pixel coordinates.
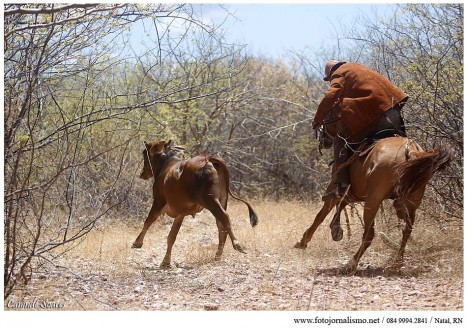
(170, 144)
(157, 148)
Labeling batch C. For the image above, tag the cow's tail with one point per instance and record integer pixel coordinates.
(416, 172)
(251, 211)
(224, 178)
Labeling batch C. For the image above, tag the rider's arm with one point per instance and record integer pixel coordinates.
(331, 96)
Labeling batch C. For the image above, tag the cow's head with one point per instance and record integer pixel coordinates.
(155, 155)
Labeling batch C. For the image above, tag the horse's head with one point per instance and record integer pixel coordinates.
(329, 128)
(325, 139)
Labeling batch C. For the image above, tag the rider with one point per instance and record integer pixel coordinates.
(370, 105)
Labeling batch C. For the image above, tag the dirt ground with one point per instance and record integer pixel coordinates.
(103, 272)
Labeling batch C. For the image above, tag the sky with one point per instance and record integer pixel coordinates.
(273, 29)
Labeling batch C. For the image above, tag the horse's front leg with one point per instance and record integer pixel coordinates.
(371, 208)
(336, 231)
(327, 207)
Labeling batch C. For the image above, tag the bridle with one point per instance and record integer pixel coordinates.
(149, 159)
(331, 120)
(325, 138)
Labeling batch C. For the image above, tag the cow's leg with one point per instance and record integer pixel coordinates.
(214, 206)
(327, 207)
(406, 212)
(154, 213)
(222, 239)
(220, 227)
(371, 208)
(171, 240)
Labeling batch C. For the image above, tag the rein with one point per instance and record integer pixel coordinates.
(149, 160)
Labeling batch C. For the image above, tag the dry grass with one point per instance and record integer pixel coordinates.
(103, 272)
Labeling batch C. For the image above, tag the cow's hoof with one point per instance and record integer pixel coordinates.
(168, 265)
(239, 247)
(137, 245)
(337, 233)
(299, 245)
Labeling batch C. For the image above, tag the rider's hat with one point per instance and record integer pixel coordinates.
(331, 66)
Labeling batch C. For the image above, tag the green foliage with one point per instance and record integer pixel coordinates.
(77, 107)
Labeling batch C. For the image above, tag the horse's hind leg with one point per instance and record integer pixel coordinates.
(371, 208)
(406, 212)
(327, 207)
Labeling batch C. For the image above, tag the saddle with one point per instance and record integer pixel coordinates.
(365, 147)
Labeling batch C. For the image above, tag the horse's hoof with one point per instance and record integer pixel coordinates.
(350, 268)
(299, 245)
(397, 264)
(347, 271)
(337, 233)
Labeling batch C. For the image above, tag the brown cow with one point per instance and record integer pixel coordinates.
(185, 187)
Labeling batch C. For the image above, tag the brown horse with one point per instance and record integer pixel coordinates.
(392, 168)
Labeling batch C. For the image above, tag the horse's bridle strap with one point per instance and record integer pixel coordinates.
(331, 120)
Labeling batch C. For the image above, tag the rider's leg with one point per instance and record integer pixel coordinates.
(394, 118)
(388, 125)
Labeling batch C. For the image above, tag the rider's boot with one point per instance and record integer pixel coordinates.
(339, 192)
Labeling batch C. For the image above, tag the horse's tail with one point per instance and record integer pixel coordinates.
(416, 172)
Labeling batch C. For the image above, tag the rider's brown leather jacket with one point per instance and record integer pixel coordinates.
(363, 94)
